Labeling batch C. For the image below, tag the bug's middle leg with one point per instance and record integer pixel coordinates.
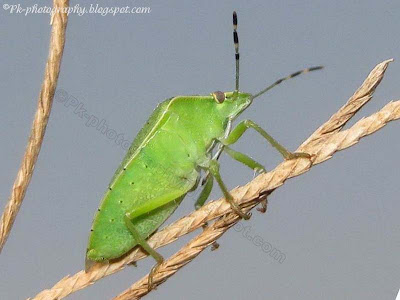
(214, 170)
(252, 164)
(238, 131)
(244, 159)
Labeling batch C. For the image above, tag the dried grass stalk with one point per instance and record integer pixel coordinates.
(24, 175)
(322, 144)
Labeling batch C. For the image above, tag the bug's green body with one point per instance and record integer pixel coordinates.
(164, 163)
(164, 160)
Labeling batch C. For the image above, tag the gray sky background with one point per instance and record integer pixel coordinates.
(337, 225)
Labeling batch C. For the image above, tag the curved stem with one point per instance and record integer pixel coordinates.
(24, 175)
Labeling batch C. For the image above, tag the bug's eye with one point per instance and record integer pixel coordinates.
(219, 96)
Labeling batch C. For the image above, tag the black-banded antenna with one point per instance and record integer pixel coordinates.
(286, 78)
(236, 44)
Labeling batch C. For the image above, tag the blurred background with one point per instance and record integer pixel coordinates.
(336, 228)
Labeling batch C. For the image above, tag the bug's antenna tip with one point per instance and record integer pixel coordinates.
(236, 44)
(279, 81)
(317, 68)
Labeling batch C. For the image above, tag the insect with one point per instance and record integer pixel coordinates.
(182, 139)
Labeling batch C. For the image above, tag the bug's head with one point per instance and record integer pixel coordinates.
(237, 100)
(231, 104)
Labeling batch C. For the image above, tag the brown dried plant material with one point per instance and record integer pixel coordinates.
(322, 144)
(24, 175)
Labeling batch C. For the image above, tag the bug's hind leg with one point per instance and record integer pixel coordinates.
(214, 170)
(142, 210)
(204, 194)
(143, 243)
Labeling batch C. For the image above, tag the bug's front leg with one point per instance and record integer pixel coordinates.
(238, 131)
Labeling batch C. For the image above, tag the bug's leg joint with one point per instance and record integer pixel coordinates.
(214, 166)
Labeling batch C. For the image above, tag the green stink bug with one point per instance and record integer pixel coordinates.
(184, 136)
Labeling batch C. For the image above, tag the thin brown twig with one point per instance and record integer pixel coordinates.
(24, 175)
(321, 143)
